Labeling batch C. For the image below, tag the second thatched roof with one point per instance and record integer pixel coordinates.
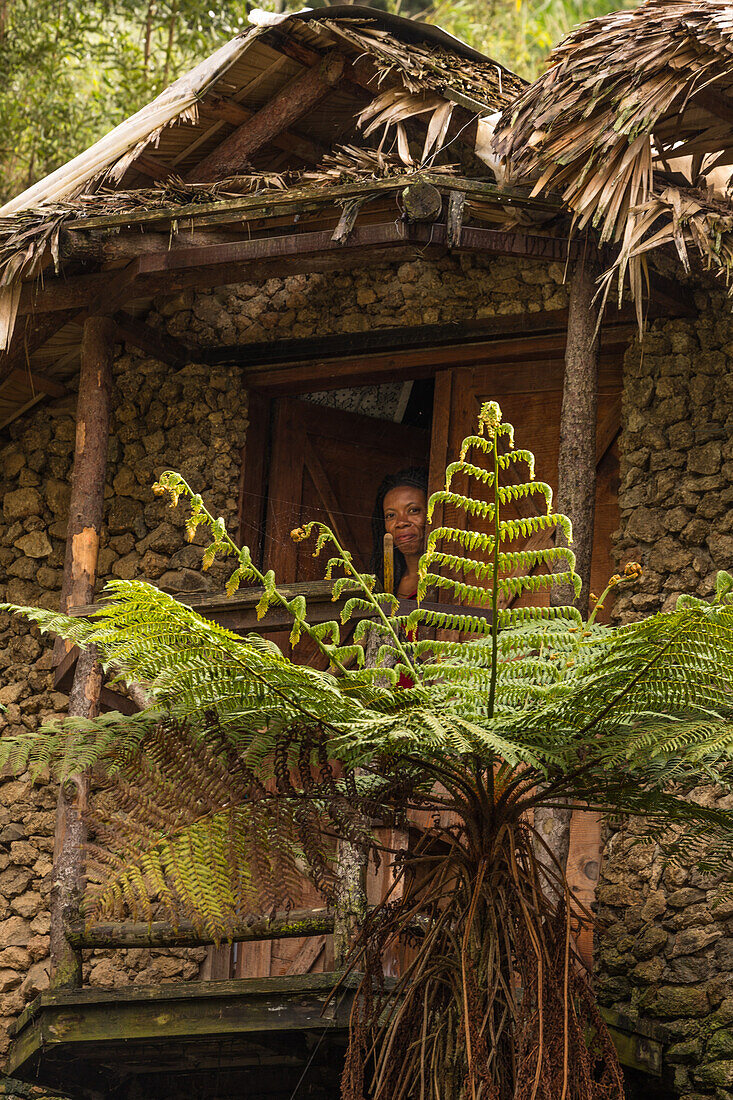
(632, 124)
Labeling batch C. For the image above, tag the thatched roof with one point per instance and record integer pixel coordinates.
(401, 96)
(182, 126)
(632, 125)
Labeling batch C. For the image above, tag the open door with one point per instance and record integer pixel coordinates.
(327, 464)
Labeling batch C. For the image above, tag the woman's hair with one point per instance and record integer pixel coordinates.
(415, 477)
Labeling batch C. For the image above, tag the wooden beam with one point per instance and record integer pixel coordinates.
(160, 345)
(80, 569)
(37, 382)
(114, 246)
(541, 351)
(286, 925)
(224, 263)
(312, 197)
(149, 166)
(229, 110)
(343, 345)
(292, 103)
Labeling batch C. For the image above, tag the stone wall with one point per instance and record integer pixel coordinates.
(666, 934)
(193, 420)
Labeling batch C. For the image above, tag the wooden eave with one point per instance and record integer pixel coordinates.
(248, 209)
(141, 254)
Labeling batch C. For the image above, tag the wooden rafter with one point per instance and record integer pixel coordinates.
(242, 93)
(292, 103)
(161, 346)
(151, 167)
(229, 110)
(37, 382)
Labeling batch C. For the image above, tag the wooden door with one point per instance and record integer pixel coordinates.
(530, 396)
(327, 464)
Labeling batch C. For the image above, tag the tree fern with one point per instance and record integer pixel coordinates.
(246, 768)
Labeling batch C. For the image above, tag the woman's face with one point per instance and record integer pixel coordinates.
(405, 517)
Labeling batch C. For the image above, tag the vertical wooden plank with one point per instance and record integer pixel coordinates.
(583, 871)
(283, 510)
(218, 964)
(440, 437)
(254, 959)
(253, 476)
(80, 572)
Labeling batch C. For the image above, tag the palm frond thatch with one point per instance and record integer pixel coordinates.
(632, 123)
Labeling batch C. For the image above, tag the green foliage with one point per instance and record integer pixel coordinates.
(245, 767)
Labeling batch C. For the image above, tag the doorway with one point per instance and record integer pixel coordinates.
(313, 457)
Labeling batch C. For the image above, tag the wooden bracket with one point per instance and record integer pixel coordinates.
(160, 345)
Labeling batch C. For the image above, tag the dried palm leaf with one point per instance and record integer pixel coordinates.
(630, 103)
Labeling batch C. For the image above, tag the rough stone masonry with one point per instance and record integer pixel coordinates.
(665, 933)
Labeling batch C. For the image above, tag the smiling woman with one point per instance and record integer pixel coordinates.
(401, 511)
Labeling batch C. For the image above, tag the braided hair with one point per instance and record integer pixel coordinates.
(415, 477)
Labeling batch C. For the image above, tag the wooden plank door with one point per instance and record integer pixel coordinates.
(530, 396)
(327, 464)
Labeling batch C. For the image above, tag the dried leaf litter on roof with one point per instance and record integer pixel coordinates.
(632, 124)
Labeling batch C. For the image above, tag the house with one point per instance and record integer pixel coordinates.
(297, 270)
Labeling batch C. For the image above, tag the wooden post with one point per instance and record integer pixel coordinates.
(80, 572)
(576, 496)
(351, 899)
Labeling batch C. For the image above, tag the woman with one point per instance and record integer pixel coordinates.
(401, 511)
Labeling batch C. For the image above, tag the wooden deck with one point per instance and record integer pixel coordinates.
(259, 1038)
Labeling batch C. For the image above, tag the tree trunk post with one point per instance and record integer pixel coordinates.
(576, 469)
(576, 495)
(351, 900)
(80, 572)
